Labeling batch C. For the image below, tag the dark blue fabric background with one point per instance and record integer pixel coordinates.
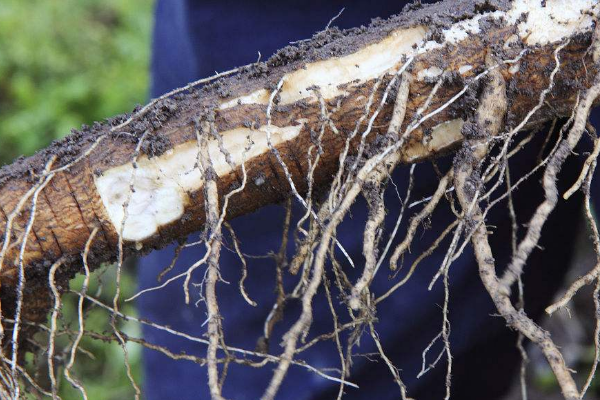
(193, 39)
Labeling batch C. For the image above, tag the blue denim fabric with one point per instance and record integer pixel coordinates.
(193, 39)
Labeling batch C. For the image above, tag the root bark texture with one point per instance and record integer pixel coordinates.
(320, 130)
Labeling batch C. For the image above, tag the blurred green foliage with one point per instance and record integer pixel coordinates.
(64, 63)
(99, 364)
(68, 62)
(104, 376)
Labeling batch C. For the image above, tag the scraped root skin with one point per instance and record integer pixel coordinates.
(161, 190)
(167, 199)
(321, 132)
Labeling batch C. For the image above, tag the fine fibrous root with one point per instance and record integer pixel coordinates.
(467, 189)
(374, 193)
(215, 335)
(319, 127)
(566, 147)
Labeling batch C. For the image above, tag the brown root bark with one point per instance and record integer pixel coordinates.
(70, 207)
(360, 101)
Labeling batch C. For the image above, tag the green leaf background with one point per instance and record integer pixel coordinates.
(64, 63)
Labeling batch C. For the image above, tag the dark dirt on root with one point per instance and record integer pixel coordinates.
(332, 42)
